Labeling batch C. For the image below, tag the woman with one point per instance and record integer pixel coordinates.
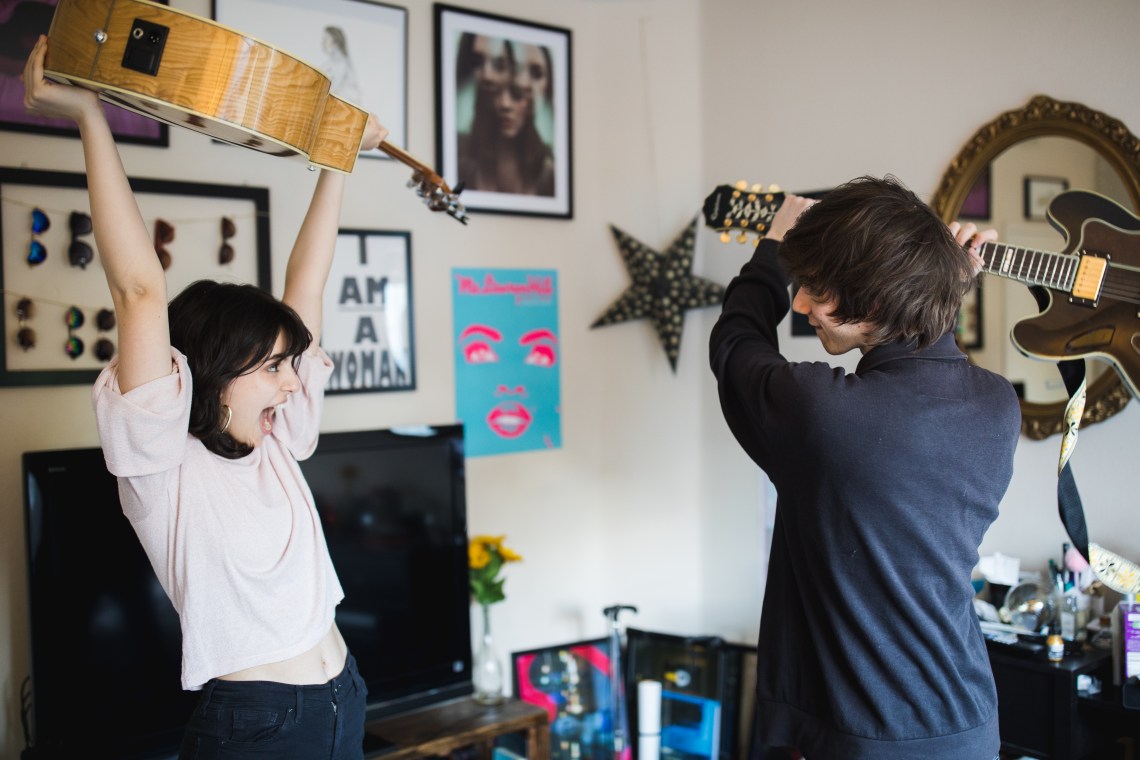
(202, 417)
(504, 152)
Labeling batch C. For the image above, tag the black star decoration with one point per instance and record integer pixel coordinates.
(663, 288)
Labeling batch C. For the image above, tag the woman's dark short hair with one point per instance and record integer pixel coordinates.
(226, 330)
(885, 257)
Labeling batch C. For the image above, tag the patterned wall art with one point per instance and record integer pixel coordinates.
(663, 288)
(507, 359)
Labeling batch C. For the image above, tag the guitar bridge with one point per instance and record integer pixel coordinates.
(1089, 280)
(144, 47)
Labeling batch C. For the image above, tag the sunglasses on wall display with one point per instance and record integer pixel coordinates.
(163, 236)
(74, 318)
(79, 253)
(226, 252)
(37, 251)
(25, 336)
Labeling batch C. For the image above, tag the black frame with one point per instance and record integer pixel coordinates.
(16, 44)
(603, 644)
(258, 196)
(333, 308)
(561, 204)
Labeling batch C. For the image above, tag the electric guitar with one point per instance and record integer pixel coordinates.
(1092, 286)
(192, 72)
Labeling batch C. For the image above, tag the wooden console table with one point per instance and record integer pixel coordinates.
(443, 728)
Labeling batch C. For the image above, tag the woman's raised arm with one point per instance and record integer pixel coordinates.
(312, 255)
(134, 274)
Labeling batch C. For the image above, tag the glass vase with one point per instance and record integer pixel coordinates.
(488, 666)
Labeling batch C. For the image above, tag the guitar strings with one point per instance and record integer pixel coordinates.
(1122, 284)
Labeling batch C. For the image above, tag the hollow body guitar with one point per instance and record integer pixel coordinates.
(192, 72)
(1091, 307)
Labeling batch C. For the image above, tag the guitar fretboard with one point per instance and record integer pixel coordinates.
(1053, 270)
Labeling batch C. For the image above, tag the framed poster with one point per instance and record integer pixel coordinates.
(1039, 192)
(360, 45)
(503, 105)
(367, 323)
(507, 359)
(52, 265)
(573, 683)
(21, 23)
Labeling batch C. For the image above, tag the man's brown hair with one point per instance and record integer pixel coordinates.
(886, 259)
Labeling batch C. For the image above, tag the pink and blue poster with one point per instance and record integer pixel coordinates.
(507, 356)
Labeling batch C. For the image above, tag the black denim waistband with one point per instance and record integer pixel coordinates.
(221, 690)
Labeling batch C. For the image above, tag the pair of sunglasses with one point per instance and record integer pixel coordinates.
(79, 253)
(75, 318)
(163, 236)
(37, 251)
(226, 252)
(25, 336)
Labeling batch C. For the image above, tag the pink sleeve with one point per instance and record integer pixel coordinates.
(299, 420)
(143, 431)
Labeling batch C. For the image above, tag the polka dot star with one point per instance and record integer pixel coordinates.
(663, 288)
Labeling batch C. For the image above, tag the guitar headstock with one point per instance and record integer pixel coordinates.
(437, 196)
(743, 209)
(428, 185)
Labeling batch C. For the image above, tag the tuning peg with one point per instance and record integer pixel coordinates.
(741, 185)
(757, 188)
(742, 238)
(773, 188)
(728, 222)
(725, 237)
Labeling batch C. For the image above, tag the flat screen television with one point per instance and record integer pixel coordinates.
(105, 640)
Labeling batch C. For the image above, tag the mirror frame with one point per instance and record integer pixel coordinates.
(1045, 117)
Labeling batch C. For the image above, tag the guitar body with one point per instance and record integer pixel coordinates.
(195, 73)
(1111, 329)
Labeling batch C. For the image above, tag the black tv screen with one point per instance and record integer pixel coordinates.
(105, 640)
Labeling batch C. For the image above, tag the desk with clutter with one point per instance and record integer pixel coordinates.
(1065, 651)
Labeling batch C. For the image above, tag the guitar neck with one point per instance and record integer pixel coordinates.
(408, 159)
(1053, 270)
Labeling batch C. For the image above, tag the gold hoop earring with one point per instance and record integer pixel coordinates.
(229, 416)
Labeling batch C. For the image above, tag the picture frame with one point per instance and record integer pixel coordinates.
(520, 164)
(360, 45)
(367, 326)
(1039, 192)
(572, 683)
(196, 216)
(968, 331)
(708, 691)
(976, 204)
(21, 23)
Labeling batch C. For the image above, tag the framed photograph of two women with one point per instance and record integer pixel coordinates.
(503, 108)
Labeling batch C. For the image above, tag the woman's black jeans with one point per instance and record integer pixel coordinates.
(239, 719)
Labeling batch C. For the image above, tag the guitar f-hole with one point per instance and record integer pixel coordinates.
(144, 48)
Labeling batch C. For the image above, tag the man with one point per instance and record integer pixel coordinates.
(887, 478)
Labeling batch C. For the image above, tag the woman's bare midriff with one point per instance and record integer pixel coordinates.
(320, 664)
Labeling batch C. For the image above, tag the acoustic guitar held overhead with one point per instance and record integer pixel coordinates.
(192, 72)
(1091, 289)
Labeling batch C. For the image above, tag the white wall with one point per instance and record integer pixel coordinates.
(650, 502)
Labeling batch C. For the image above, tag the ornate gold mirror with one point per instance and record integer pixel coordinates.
(1003, 177)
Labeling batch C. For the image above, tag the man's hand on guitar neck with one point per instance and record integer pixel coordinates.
(971, 238)
(787, 215)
